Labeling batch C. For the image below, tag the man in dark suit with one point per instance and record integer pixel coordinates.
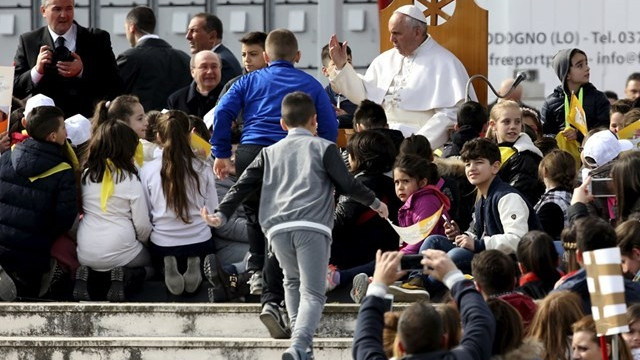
(73, 65)
(205, 33)
(152, 70)
(201, 96)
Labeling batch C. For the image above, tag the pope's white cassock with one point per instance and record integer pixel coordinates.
(418, 92)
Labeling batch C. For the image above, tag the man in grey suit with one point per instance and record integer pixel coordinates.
(205, 33)
(152, 70)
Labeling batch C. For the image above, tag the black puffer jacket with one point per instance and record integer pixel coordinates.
(595, 104)
(33, 214)
(521, 169)
(358, 231)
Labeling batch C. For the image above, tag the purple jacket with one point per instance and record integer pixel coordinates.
(420, 205)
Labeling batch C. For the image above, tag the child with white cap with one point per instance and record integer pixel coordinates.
(599, 154)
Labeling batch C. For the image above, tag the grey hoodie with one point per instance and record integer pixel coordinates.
(562, 61)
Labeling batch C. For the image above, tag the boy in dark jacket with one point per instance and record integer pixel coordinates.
(472, 121)
(501, 214)
(37, 201)
(592, 233)
(572, 68)
(420, 328)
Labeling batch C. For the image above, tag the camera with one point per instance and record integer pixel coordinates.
(601, 187)
(61, 53)
(411, 262)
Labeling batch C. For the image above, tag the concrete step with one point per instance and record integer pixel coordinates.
(167, 348)
(102, 319)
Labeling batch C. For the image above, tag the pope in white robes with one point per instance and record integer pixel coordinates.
(418, 82)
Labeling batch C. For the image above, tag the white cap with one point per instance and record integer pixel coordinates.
(602, 147)
(412, 11)
(78, 129)
(37, 101)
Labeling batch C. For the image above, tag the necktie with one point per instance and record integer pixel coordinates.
(59, 42)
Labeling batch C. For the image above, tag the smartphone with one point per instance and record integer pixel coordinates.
(601, 187)
(446, 220)
(411, 262)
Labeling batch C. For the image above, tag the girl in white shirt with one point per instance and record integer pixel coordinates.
(115, 225)
(177, 185)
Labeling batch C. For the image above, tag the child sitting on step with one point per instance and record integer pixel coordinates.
(177, 185)
(115, 226)
(37, 202)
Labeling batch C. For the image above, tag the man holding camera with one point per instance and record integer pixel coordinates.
(420, 330)
(73, 65)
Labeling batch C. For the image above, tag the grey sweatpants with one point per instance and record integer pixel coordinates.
(304, 257)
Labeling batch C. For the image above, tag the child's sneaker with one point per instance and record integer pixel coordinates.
(274, 317)
(401, 294)
(234, 286)
(116, 290)
(51, 277)
(192, 277)
(331, 274)
(8, 290)
(295, 354)
(80, 289)
(415, 283)
(359, 288)
(172, 278)
(255, 283)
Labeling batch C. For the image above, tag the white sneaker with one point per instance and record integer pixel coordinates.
(359, 288)
(255, 283)
(401, 294)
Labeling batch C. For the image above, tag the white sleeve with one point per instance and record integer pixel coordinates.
(514, 215)
(140, 212)
(436, 129)
(35, 76)
(349, 83)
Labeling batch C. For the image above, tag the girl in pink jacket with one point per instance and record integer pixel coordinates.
(416, 181)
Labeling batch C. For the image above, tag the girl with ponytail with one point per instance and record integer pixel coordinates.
(128, 109)
(177, 185)
(115, 225)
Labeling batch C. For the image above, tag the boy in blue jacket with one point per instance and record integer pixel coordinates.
(258, 96)
(298, 176)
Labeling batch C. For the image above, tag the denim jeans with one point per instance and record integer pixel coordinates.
(304, 257)
(460, 256)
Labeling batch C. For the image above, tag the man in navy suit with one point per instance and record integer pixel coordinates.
(73, 65)
(152, 70)
(205, 33)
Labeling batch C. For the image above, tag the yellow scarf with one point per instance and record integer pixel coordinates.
(108, 185)
(505, 153)
(139, 154)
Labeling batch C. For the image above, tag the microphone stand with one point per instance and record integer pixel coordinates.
(480, 76)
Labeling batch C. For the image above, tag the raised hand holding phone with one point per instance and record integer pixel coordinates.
(451, 228)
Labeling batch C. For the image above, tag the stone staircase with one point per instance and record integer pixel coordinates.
(193, 331)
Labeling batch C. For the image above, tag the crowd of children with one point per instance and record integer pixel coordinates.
(131, 197)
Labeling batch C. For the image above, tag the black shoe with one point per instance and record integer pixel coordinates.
(80, 289)
(50, 278)
(8, 290)
(273, 316)
(216, 295)
(216, 275)
(116, 290)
